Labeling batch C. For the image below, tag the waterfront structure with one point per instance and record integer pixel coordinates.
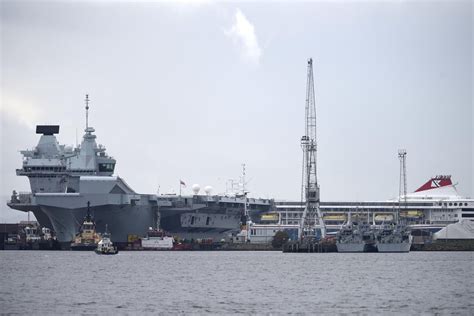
(462, 230)
(431, 207)
(311, 224)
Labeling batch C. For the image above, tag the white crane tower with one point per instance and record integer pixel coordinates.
(311, 220)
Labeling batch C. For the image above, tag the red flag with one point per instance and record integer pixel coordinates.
(181, 182)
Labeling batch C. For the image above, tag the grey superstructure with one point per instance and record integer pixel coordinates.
(64, 180)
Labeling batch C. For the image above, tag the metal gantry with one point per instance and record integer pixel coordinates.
(311, 221)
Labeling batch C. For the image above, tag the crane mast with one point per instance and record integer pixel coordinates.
(311, 220)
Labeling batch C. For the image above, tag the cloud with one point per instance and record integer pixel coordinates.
(243, 32)
(20, 111)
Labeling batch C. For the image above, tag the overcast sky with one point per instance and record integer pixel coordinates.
(191, 90)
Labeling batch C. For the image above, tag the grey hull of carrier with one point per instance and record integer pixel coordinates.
(210, 217)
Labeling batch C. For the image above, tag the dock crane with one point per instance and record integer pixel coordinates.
(311, 221)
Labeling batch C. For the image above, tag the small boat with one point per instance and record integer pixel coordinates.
(157, 239)
(87, 238)
(105, 245)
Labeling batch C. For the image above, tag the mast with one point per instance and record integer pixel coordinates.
(402, 186)
(248, 222)
(311, 219)
(87, 111)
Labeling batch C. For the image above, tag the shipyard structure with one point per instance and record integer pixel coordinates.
(434, 211)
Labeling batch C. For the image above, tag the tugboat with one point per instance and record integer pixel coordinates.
(105, 245)
(87, 238)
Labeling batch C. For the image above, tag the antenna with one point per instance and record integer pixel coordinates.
(87, 111)
(248, 220)
(243, 179)
(311, 219)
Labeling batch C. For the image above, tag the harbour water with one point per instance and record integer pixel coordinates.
(66, 282)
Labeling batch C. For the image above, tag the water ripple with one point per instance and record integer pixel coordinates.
(268, 283)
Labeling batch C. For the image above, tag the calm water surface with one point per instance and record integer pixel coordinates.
(42, 282)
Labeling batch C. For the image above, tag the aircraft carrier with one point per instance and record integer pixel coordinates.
(64, 180)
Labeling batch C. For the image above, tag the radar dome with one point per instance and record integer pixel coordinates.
(208, 190)
(196, 188)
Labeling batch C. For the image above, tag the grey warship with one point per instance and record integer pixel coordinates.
(64, 180)
(394, 238)
(355, 236)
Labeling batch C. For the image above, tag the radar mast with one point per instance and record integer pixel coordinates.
(87, 111)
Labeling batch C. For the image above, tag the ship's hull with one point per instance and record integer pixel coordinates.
(122, 220)
(205, 223)
(393, 247)
(83, 247)
(157, 243)
(350, 247)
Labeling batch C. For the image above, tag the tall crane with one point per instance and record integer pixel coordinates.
(311, 219)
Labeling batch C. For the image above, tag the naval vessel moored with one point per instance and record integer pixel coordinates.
(64, 180)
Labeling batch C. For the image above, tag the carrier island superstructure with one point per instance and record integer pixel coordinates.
(63, 180)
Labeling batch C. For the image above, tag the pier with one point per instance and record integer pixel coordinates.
(315, 246)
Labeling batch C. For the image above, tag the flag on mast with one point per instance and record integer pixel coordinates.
(181, 184)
